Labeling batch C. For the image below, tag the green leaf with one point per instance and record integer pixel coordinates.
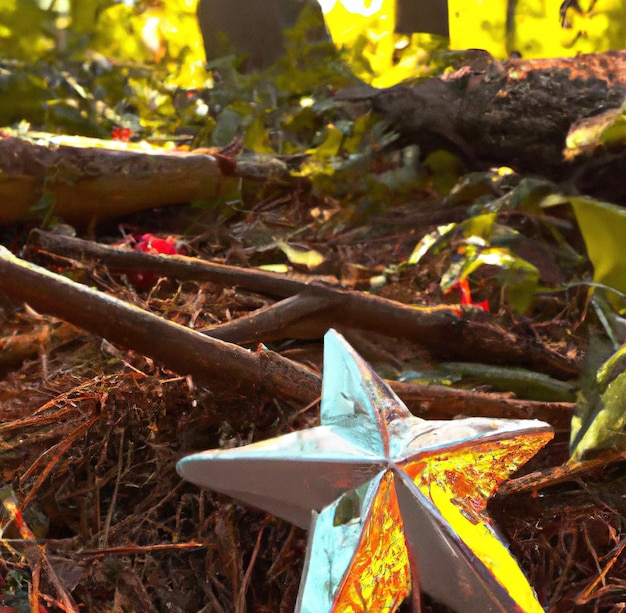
(428, 241)
(600, 417)
(603, 226)
(445, 169)
(479, 226)
(279, 268)
(331, 145)
(519, 278)
(257, 138)
(226, 128)
(608, 129)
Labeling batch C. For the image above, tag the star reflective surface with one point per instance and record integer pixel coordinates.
(395, 504)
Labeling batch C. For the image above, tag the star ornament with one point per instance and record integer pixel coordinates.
(395, 504)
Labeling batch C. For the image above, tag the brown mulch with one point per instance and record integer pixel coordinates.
(90, 431)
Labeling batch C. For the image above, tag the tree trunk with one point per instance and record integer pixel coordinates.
(249, 27)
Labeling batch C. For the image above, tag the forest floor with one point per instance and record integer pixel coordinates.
(94, 516)
(90, 432)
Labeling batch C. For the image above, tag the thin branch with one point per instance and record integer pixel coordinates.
(447, 332)
(177, 347)
(438, 401)
(177, 267)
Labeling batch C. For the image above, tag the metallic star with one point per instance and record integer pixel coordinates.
(394, 503)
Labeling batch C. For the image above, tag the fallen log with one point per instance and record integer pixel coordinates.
(516, 113)
(91, 180)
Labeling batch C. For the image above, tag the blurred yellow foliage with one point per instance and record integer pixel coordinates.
(479, 24)
(533, 28)
(599, 26)
(376, 54)
(168, 31)
(21, 24)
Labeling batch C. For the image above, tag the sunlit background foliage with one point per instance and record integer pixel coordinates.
(90, 66)
(532, 28)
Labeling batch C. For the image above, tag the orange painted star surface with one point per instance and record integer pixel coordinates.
(394, 504)
(458, 483)
(379, 577)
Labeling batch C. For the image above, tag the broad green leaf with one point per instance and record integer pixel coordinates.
(607, 129)
(257, 138)
(445, 169)
(603, 226)
(479, 226)
(278, 268)
(331, 145)
(600, 417)
(519, 278)
(481, 187)
(428, 241)
(226, 128)
(615, 133)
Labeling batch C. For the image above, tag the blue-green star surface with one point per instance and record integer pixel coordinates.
(394, 503)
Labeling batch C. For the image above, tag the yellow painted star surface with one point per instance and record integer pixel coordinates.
(395, 504)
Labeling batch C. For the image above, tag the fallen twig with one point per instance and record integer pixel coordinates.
(316, 307)
(211, 360)
(179, 348)
(571, 471)
(177, 267)
(141, 550)
(438, 401)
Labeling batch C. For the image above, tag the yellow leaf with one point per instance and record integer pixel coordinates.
(309, 258)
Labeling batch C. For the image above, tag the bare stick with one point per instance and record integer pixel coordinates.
(445, 331)
(179, 348)
(177, 267)
(439, 402)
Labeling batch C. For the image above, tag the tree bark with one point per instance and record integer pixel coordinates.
(93, 180)
(516, 113)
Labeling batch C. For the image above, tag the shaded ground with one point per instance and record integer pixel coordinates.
(90, 432)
